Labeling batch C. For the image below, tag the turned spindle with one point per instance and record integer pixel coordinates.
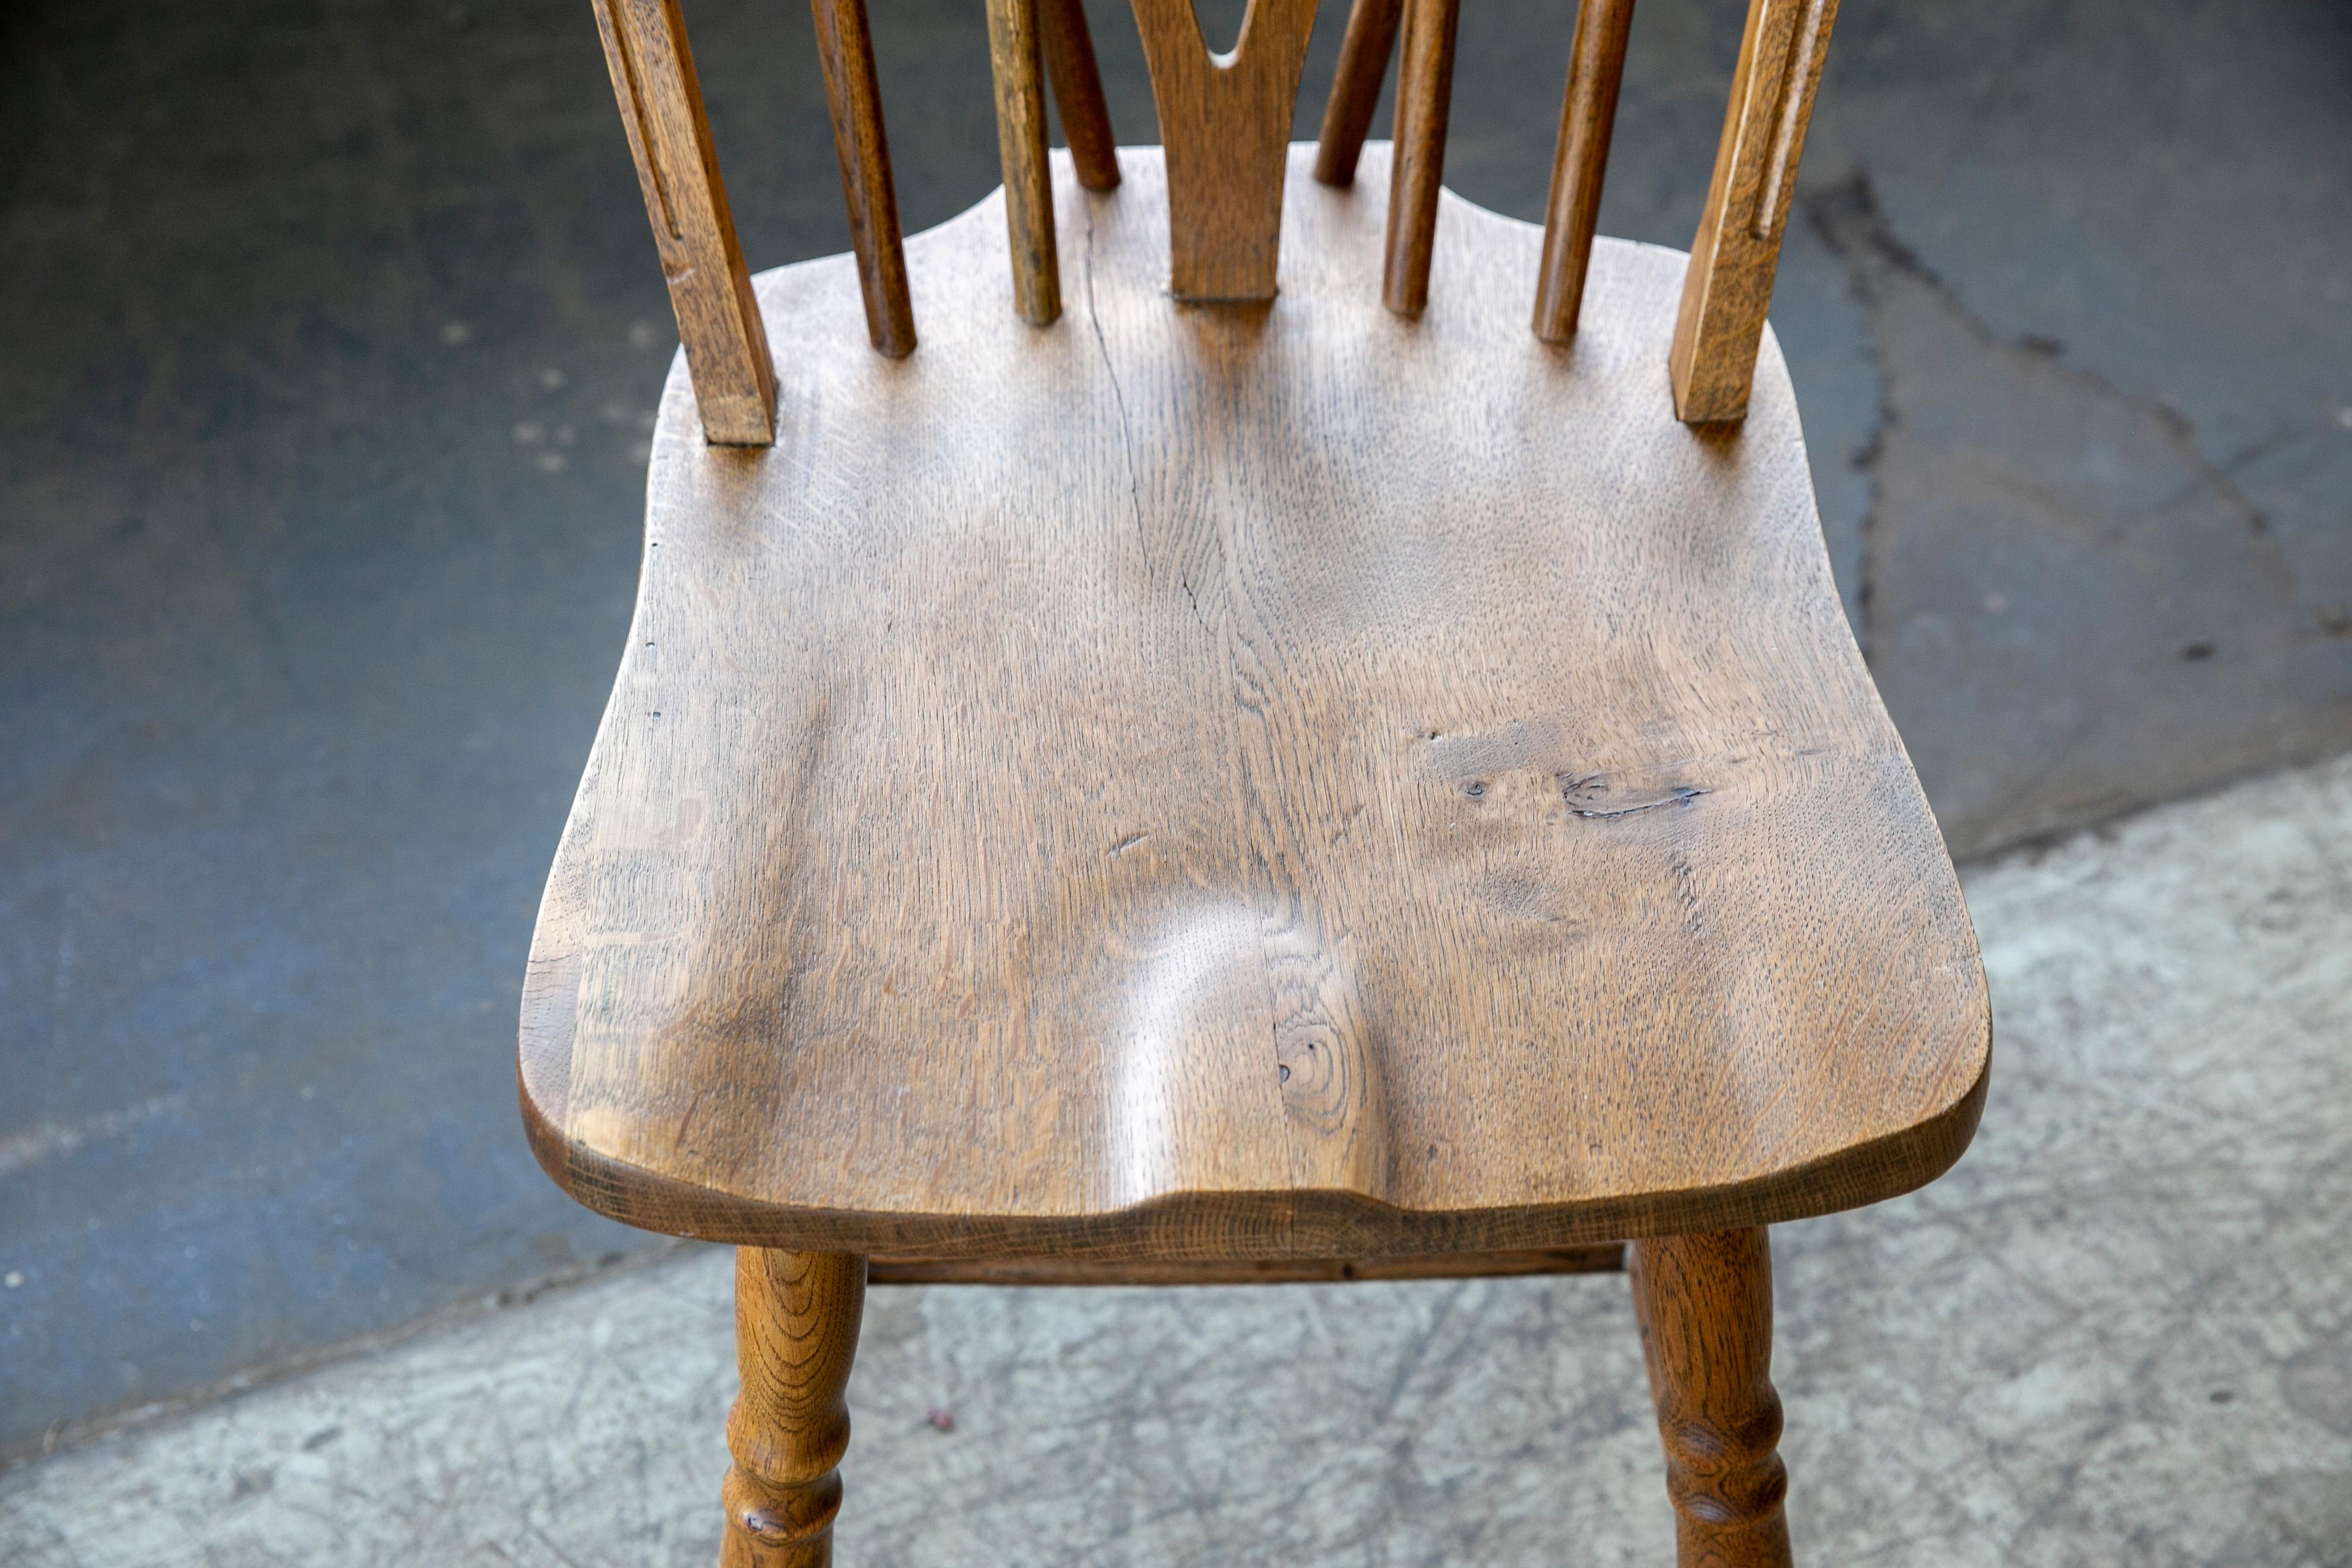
(796, 1316)
(1706, 1308)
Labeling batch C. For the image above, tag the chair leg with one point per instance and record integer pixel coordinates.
(796, 1316)
(1706, 1308)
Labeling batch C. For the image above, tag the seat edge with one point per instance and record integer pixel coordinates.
(1297, 1225)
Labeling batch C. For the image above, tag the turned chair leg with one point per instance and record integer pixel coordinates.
(796, 1316)
(1706, 1308)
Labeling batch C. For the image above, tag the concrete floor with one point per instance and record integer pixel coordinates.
(321, 424)
(2119, 1332)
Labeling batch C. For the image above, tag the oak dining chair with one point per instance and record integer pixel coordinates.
(1296, 737)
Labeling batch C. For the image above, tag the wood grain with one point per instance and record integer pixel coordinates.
(1424, 104)
(1069, 51)
(1363, 64)
(1012, 58)
(1225, 120)
(1223, 785)
(1733, 261)
(845, 47)
(1603, 1259)
(1596, 67)
(796, 1319)
(719, 321)
(1704, 1305)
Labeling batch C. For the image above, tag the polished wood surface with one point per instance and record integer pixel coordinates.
(1364, 53)
(1704, 1306)
(844, 47)
(1596, 67)
(1601, 1259)
(719, 321)
(796, 1320)
(1014, 61)
(1738, 251)
(1283, 782)
(1225, 121)
(1424, 105)
(1070, 67)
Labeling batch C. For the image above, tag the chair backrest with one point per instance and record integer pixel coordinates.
(1226, 121)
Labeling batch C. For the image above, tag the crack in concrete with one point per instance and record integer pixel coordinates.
(1850, 222)
(1866, 458)
(2044, 556)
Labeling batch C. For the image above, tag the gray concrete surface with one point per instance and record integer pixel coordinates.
(2119, 1332)
(332, 327)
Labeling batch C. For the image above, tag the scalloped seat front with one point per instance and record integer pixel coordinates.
(1242, 781)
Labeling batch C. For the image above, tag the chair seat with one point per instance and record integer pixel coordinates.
(1251, 780)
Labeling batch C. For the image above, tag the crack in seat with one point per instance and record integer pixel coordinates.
(1268, 781)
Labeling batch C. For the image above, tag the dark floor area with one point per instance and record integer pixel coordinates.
(337, 332)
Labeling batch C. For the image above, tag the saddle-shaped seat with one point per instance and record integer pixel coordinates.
(1211, 782)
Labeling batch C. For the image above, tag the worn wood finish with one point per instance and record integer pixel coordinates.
(1704, 1305)
(718, 320)
(1713, 360)
(845, 47)
(1225, 120)
(1356, 88)
(1596, 67)
(1604, 1259)
(1013, 61)
(1069, 51)
(1226, 784)
(796, 1317)
(1424, 103)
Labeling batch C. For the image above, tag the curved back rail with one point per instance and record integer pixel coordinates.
(1225, 120)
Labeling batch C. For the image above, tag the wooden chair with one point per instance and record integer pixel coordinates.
(1216, 783)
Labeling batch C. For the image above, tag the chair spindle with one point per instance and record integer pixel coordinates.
(677, 170)
(797, 1322)
(1595, 68)
(1226, 123)
(1738, 249)
(1356, 88)
(845, 46)
(1704, 1307)
(1013, 61)
(1424, 99)
(1077, 81)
